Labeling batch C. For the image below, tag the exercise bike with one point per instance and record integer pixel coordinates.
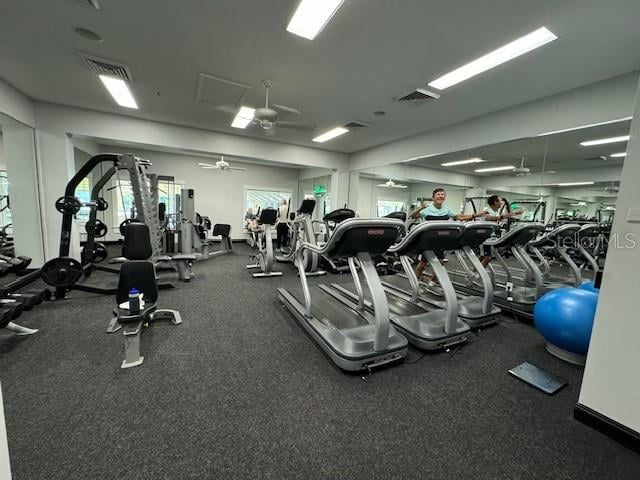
(264, 258)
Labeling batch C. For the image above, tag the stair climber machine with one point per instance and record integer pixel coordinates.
(301, 231)
(353, 339)
(264, 258)
(425, 325)
(519, 297)
(475, 310)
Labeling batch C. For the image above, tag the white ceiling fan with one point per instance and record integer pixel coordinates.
(221, 165)
(391, 184)
(521, 171)
(267, 117)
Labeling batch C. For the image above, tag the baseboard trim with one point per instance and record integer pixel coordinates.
(612, 429)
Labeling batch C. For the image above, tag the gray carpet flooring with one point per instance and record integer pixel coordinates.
(240, 391)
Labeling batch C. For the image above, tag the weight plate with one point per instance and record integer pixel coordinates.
(61, 272)
(101, 204)
(68, 205)
(96, 228)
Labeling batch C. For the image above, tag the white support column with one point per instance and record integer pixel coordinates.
(56, 166)
(339, 189)
(353, 190)
(611, 382)
(19, 152)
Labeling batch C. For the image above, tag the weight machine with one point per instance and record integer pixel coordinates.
(64, 272)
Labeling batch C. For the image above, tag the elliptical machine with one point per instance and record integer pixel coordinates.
(264, 258)
(301, 230)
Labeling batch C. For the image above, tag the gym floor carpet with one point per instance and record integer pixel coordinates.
(240, 391)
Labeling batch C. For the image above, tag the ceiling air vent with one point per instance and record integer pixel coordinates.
(355, 124)
(102, 66)
(418, 96)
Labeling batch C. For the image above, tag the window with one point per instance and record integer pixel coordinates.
(124, 200)
(83, 193)
(385, 207)
(256, 198)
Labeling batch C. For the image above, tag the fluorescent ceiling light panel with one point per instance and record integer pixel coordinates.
(503, 54)
(462, 162)
(573, 184)
(243, 117)
(495, 169)
(618, 155)
(585, 126)
(336, 132)
(119, 90)
(312, 16)
(604, 141)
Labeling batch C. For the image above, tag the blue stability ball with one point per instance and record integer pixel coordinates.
(588, 285)
(564, 317)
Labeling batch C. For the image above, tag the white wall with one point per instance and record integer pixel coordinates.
(611, 382)
(56, 124)
(16, 105)
(607, 100)
(218, 195)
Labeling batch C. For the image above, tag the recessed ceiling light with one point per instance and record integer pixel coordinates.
(573, 184)
(336, 132)
(495, 169)
(88, 34)
(497, 57)
(379, 113)
(462, 162)
(119, 90)
(604, 141)
(312, 16)
(243, 117)
(585, 126)
(618, 155)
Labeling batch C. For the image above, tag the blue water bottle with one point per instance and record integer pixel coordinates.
(134, 301)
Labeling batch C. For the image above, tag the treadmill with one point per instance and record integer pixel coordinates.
(558, 240)
(475, 310)
(509, 296)
(425, 325)
(353, 340)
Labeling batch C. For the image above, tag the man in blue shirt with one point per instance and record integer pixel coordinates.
(436, 211)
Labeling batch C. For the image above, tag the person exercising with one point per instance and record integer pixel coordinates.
(493, 212)
(436, 211)
(282, 227)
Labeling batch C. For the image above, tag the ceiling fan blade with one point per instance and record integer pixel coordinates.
(384, 185)
(296, 126)
(201, 164)
(227, 108)
(284, 108)
(398, 186)
(237, 169)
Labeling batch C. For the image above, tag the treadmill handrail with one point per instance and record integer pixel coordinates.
(421, 228)
(347, 225)
(508, 237)
(556, 232)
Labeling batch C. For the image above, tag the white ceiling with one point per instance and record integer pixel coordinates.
(370, 52)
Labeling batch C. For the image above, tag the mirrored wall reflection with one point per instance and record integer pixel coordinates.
(404, 188)
(315, 184)
(20, 219)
